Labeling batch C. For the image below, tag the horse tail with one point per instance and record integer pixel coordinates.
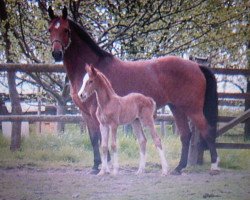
(211, 101)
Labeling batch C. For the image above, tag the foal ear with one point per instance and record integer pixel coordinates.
(90, 70)
(51, 13)
(64, 13)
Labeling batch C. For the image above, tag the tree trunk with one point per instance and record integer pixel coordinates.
(16, 110)
(61, 110)
(14, 97)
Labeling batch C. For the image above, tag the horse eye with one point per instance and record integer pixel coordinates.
(90, 81)
(66, 30)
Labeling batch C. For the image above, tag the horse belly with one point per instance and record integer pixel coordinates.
(128, 114)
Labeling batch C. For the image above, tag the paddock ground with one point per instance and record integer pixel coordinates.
(25, 183)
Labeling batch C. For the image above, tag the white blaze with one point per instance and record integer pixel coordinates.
(57, 25)
(85, 79)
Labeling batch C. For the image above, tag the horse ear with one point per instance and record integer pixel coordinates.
(64, 13)
(51, 13)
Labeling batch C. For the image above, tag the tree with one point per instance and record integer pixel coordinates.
(15, 101)
(132, 30)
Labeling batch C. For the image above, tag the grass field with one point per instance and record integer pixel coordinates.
(57, 167)
(74, 149)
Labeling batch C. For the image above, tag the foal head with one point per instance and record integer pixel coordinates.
(91, 82)
(59, 33)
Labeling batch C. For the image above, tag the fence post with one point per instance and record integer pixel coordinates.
(163, 124)
(39, 124)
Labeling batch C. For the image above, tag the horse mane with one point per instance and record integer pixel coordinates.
(105, 80)
(87, 38)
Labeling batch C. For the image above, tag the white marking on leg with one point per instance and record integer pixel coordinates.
(84, 81)
(105, 134)
(214, 166)
(142, 163)
(164, 163)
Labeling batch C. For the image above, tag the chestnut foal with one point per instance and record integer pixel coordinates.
(114, 110)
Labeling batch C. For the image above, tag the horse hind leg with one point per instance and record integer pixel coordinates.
(207, 133)
(148, 122)
(142, 142)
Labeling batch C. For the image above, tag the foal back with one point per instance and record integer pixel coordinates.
(135, 106)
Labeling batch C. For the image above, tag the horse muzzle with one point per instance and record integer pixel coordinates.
(57, 55)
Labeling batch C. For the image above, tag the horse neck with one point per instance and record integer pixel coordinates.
(76, 57)
(104, 93)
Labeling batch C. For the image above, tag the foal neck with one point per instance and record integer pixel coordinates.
(104, 92)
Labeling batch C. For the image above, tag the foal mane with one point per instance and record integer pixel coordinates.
(105, 81)
(87, 38)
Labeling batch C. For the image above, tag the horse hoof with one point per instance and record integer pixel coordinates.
(94, 171)
(176, 172)
(214, 172)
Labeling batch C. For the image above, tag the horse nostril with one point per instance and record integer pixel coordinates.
(57, 55)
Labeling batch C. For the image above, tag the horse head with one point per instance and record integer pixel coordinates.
(59, 33)
(89, 84)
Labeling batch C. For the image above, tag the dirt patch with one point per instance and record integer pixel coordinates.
(66, 183)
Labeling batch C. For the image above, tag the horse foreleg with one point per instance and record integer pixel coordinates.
(114, 149)
(185, 136)
(142, 142)
(104, 145)
(95, 138)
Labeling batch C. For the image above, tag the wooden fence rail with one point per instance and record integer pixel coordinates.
(78, 118)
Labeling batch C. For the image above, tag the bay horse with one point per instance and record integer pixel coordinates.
(114, 110)
(190, 90)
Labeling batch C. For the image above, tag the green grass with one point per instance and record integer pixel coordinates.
(74, 149)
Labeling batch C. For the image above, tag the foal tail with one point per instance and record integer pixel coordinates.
(211, 101)
(154, 106)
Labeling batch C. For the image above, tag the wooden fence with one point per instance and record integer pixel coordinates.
(77, 118)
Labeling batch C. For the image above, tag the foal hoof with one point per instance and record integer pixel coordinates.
(101, 173)
(176, 172)
(214, 172)
(140, 172)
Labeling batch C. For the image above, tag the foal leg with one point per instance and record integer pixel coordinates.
(185, 136)
(104, 144)
(114, 149)
(95, 138)
(142, 142)
(149, 122)
(209, 136)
